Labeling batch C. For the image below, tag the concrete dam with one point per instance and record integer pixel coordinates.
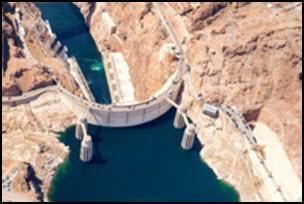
(108, 115)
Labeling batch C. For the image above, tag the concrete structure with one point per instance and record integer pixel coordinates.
(50, 42)
(21, 31)
(179, 119)
(123, 115)
(86, 149)
(188, 137)
(48, 26)
(169, 27)
(53, 38)
(259, 165)
(119, 79)
(239, 121)
(81, 128)
(63, 53)
(106, 115)
(210, 110)
(269, 182)
(57, 47)
(114, 115)
(108, 22)
(77, 74)
(54, 47)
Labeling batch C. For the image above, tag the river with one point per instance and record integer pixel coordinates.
(143, 163)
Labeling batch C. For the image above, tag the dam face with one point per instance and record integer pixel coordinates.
(142, 163)
(120, 115)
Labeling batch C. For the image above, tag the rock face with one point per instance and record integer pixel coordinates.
(10, 89)
(26, 181)
(28, 79)
(224, 151)
(87, 8)
(253, 62)
(31, 152)
(200, 16)
(27, 56)
(139, 36)
(21, 183)
(247, 55)
(33, 78)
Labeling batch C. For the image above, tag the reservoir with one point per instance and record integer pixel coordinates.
(143, 163)
(68, 24)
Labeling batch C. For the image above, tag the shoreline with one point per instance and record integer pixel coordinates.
(48, 191)
(43, 150)
(228, 163)
(222, 184)
(232, 165)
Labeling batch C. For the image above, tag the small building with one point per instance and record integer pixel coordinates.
(108, 22)
(210, 110)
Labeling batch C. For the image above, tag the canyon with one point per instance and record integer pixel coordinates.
(246, 55)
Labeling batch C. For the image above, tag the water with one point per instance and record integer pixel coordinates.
(143, 163)
(68, 24)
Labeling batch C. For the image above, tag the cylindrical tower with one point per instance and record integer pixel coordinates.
(86, 149)
(188, 137)
(63, 52)
(179, 119)
(81, 128)
(56, 47)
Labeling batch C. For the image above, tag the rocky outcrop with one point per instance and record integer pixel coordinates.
(139, 36)
(203, 13)
(9, 27)
(26, 181)
(36, 77)
(31, 152)
(21, 183)
(87, 9)
(242, 54)
(28, 62)
(250, 56)
(10, 89)
(27, 79)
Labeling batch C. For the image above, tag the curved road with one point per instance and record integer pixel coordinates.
(91, 105)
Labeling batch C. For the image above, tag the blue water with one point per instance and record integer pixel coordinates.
(72, 32)
(144, 163)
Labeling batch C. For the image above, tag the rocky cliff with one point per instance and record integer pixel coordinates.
(27, 63)
(247, 55)
(139, 36)
(31, 151)
(250, 56)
